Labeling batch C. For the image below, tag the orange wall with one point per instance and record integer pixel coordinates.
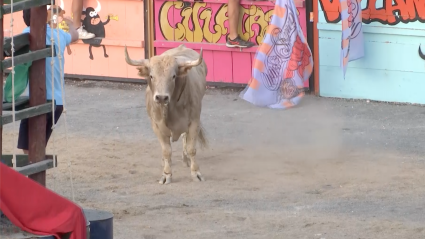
(125, 28)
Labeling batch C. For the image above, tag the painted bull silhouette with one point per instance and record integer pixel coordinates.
(421, 54)
(93, 24)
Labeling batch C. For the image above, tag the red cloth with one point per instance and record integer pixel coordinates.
(36, 209)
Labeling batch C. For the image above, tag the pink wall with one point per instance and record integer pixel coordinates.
(125, 28)
(197, 24)
(204, 25)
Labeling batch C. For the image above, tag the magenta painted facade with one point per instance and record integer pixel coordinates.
(204, 25)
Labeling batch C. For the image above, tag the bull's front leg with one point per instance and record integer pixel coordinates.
(191, 138)
(185, 158)
(166, 155)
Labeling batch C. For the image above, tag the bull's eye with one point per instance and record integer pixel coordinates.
(174, 76)
(151, 77)
(92, 14)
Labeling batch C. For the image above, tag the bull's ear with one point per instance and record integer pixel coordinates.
(183, 70)
(144, 71)
(185, 65)
(141, 65)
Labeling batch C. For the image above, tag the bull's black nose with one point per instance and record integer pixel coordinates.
(161, 98)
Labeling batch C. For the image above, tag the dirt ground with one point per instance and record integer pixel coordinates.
(329, 168)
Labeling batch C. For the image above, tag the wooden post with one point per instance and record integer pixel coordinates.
(37, 89)
(151, 28)
(310, 38)
(146, 27)
(1, 82)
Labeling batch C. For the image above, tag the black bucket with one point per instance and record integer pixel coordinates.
(101, 224)
(11, 228)
(68, 235)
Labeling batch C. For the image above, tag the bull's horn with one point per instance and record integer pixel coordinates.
(193, 63)
(48, 7)
(62, 6)
(98, 8)
(130, 61)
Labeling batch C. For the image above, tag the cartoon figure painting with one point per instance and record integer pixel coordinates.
(57, 19)
(58, 13)
(94, 24)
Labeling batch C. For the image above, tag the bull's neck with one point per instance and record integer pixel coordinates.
(161, 112)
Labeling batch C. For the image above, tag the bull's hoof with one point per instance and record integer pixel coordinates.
(165, 179)
(186, 160)
(197, 176)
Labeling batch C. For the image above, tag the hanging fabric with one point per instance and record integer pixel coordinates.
(46, 213)
(283, 62)
(352, 43)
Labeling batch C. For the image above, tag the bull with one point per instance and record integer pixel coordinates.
(176, 86)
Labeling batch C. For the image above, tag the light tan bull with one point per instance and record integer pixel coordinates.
(176, 86)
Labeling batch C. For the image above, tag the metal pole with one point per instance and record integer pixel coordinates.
(37, 88)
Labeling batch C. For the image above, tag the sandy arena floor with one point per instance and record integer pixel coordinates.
(327, 169)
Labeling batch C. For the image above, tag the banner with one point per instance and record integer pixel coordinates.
(352, 44)
(283, 62)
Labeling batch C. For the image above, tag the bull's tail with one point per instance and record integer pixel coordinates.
(202, 139)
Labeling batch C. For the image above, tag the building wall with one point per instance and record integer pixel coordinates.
(205, 25)
(392, 69)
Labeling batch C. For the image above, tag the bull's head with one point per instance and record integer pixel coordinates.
(163, 74)
(93, 14)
